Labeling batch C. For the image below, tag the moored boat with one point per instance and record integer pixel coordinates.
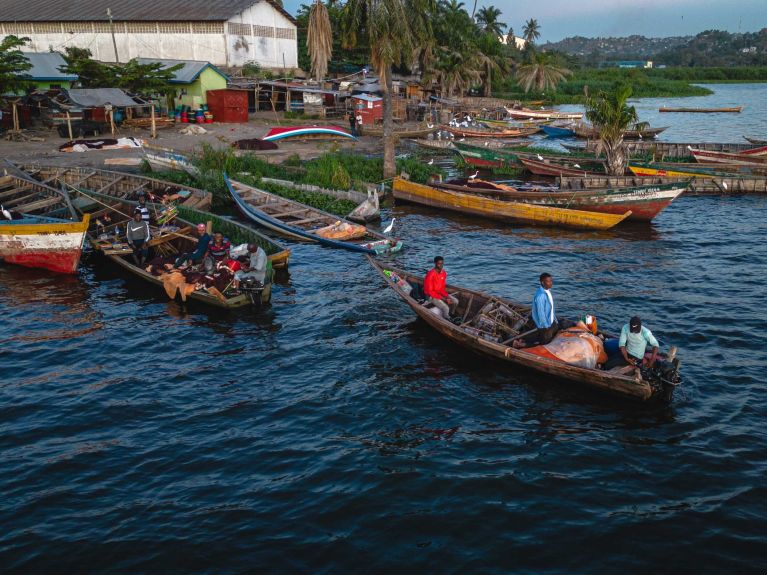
(526, 113)
(544, 168)
(592, 133)
(166, 159)
(672, 170)
(377, 131)
(314, 132)
(504, 210)
(735, 110)
(303, 222)
(750, 157)
(553, 131)
(507, 133)
(756, 141)
(489, 324)
(486, 156)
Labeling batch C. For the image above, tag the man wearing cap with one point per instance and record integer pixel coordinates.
(633, 343)
(202, 247)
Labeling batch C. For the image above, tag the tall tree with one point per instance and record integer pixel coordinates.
(319, 39)
(487, 19)
(493, 59)
(531, 32)
(146, 79)
(541, 72)
(392, 28)
(13, 65)
(612, 116)
(91, 73)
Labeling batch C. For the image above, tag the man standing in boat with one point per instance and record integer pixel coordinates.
(543, 315)
(434, 288)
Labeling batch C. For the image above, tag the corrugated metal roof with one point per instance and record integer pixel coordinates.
(98, 97)
(136, 10)
(367, 97)
(45, 66)
(186, 75)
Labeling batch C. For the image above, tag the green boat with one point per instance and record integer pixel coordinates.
(487, 157)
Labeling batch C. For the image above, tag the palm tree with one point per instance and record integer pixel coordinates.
(531, 32)
(392, 28)
(319, 39)
(492, 59)
(541, 72)
(487, 19)
(610, 114)
(456, 71)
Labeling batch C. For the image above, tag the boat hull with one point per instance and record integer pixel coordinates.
(306, 132)
(557, 132)
(52, 246)
(509, 211)
(753, 157)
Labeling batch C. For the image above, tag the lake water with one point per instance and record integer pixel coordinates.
(335, 433)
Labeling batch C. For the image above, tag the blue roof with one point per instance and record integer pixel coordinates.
(186, 75)
(367, 97)
(45, 67)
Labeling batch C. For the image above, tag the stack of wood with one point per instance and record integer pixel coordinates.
(146, 123)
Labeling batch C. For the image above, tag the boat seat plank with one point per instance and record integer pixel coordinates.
(109, 184)
(38, 205)
(20, 200)
(13, 192)
(289, 213)
(307, 220)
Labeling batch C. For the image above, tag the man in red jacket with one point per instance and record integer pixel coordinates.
(434, 288)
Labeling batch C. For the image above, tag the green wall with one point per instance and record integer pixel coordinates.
(209, 79)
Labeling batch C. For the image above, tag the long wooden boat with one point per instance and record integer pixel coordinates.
(644, 202)
(526, 113)
(518, 212)
(751, 157)
(686, 170)
(592, 133)
(735, 110)
(434, 144)
(558, 131)
(486, 156)
(120, 185)
(302, 222)
(661, 149)
(512, 123)
(166, 159)
(553, 169)
(506, 133)
(314, 132)
(756, 141)
(175, 238)
(696, 186)
(377, 131)
(488, 325)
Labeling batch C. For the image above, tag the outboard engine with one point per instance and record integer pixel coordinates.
(252, 288)
(664, 375)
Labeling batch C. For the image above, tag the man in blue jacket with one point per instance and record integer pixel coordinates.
(543, 315)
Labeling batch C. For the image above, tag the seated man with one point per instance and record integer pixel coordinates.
(633, 344)
(434, 288)
(202, 248)
(542, 314)
(254, 268)
(137, 234)
(218, 251)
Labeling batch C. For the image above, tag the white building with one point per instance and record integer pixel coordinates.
(518, 42)
(223, 32)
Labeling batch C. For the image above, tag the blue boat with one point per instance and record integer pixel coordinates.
(558, 132)
(302, 222)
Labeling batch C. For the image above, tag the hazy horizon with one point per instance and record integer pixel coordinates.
(560, 19)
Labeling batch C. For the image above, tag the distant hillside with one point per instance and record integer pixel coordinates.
(709, 48)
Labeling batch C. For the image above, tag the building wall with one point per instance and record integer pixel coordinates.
(264, 35)
(196, 91)
(46, 85)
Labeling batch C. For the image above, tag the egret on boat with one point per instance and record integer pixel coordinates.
(689, 148)
(430, 126)
(576, 166)
(390, 227)
(724, 184)
(540, 158)
(431, 161)
(487, 143)
(6, 214)
(474, 175)
(462, 139)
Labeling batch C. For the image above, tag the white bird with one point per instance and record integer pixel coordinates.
(462, 139)
(724, 184)
(6, 214)
(431, 161)
(390, 227)
(487, 144)
(576, 166)
(640, 136)
(474, 175)
(540, 158)
(689, 148)
(430, 126)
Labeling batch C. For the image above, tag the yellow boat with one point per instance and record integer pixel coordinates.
(648, 170)
(473, 204)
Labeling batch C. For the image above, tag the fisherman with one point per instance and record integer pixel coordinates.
(254, 268)
(202, 248)
(633, 343)
(137, 234)
(359, 123)
(543, 315)
(142, 208)
(353, 124)
(218, 249)
(434, 288)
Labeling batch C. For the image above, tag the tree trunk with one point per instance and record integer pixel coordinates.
(389, 165)
(615, 156)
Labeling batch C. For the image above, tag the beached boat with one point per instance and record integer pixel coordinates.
(302, 222)
(488, 325)
(504, 210)
(644, 202)
(377, 131)
(38, 226)
(119, 185)
(695, 186)
(313, 132)
(751, 157)
(166, 159)
(507, 133)
(558, 131)
(671, 170)
(486, 156)
(553, 169)
(756, 141)
(592, 133)
(434, 144)
(548, 114)
(735, 110)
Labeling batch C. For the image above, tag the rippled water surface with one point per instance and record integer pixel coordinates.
(334, 432)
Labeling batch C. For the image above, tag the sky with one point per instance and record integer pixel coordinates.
(653, 18)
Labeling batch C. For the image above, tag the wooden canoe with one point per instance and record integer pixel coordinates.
(467, 332)
(735, 110)
(756, 141)
(434, 144)
(377, 131)
(751, 157)
(696, 186)
(490, 134)
(166, 159)
(688, 170)
(487, 156)
(558, 131)
(644, 202)
(552, 169)
(301, 222)
(525, 113)
(590, 132)
(119, 185)
(661, 149)
(506, 211)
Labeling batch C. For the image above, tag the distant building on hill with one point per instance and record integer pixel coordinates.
(629, 64)
(518, 42)
(222, 32)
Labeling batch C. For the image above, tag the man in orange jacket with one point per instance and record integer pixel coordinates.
(434, 288)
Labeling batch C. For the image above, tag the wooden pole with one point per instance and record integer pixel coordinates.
(112, 120)
(154, 124)
(15, 118)
(69, 126)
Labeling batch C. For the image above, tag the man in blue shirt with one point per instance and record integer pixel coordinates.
(543, 315)
(633, 343)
